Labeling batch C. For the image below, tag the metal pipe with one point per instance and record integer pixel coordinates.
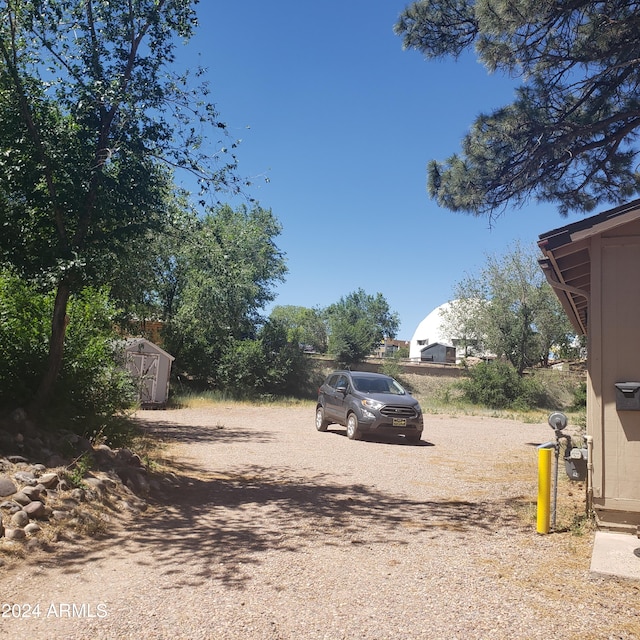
(589, 499)
(567, 438)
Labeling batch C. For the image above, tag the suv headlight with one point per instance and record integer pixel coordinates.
(374, 405)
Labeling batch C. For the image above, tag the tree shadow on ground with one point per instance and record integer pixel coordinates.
(215, 528)
(200, 434)
(202, 526)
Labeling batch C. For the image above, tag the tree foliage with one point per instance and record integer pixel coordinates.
(270, 363)
(570, 135)
(493, 384)
(214, 283)
(357, 322)
(496, 384)
(304, 326)
(92, 125)
(510, 310)
(91, 387)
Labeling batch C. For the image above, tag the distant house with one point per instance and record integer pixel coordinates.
(593, 266)
(388, 348)
(432, 331)
(438, 352)
(151, 368)
(429, 331)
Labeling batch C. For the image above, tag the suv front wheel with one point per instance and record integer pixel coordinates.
(352, 427)
(321, 422)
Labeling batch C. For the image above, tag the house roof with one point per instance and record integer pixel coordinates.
(567, 259)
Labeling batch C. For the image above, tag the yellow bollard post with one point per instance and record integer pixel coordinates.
(544, 489)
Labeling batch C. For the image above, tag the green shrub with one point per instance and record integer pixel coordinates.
(269, 365)
(391, 367)
(580, 397)
(91, 387)
(76, 472)
(533, 393)
(494, 384)
(24, 338)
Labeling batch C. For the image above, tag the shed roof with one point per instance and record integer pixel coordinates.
(432, 345)
(134, 344)
(567, 261)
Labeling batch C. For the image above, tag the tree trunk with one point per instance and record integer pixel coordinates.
(56, 350)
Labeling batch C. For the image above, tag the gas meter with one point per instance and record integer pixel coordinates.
(575, 463)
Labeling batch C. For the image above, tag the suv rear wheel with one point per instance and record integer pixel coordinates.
(352, 427)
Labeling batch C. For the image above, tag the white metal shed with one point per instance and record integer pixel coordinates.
(151, 367)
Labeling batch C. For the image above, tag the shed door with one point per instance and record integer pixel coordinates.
(144, 367)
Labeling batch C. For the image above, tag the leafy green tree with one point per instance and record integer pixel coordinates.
(140, 278)
(570, 135)
(92, 125)
(305, 326)
(270, 363)
(216, 284)
(463, 322)
(357, 322)
(510, 309)
(553, 330)
(91, 386)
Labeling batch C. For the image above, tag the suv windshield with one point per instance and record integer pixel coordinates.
(377, 385)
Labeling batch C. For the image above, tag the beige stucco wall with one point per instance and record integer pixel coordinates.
(614, 356)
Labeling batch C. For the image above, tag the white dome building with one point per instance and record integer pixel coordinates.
(430, 331)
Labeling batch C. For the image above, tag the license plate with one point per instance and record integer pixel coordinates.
(399, 422)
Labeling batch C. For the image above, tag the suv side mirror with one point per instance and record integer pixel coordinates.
(342, 389)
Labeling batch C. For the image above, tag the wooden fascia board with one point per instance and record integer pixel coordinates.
(555, 278)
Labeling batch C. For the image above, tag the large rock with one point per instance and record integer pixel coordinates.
(97, 484)
(14, 534)
(49, 480)
(55, 460)
(21, 498)
(26, 477)
(20, 519)
(125, 456)
(35, 509)
(33, 493)
(11, 506)
(7, 487)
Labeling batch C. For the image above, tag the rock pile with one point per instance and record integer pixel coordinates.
(35, 495)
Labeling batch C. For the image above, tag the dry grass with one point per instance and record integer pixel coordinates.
(442, 395)
(208, 399)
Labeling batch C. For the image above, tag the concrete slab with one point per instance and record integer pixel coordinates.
(616, 554)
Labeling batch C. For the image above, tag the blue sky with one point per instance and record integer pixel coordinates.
(342, 121)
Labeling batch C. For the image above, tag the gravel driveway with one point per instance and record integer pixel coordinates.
(271, 530)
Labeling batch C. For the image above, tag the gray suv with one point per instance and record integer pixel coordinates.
(368, 403)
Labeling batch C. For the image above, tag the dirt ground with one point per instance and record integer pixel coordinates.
(265, 528)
